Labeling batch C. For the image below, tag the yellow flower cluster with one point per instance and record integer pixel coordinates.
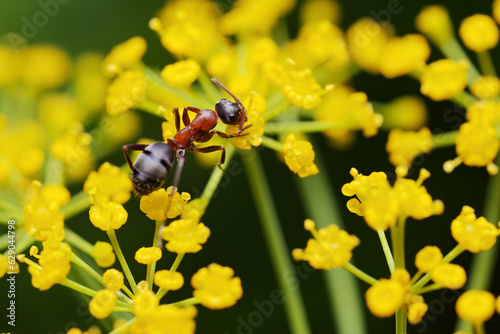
(473, 234)
(53, 265)
(381, 205)
(330, 247)
(299, 156)
(160, 205)
(386, 296)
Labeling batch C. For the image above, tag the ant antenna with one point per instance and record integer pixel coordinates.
(218, 83)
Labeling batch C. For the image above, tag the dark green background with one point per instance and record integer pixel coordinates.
(237, 239)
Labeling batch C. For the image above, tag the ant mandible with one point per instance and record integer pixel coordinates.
(152, 166)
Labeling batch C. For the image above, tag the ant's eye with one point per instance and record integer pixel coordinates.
(229, 112)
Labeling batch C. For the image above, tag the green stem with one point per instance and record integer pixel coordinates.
(359, 274)
(116, 246)
(162, 291)
(444, 139)
(208, 87)
(272, 144)
(77, 204)
(77, 241)
(398, 242)
(78, 287)
(486, 63)
(277, 110)
(124, 328)
(151, 267)
(303, 127)
(216, 176)
(387, 250)
(88, 269)
(429, 288)
(186, 302)
(464, 99)
(342, 288)
(453, 50)
(483, 264)
(401, 321)
(280, 254)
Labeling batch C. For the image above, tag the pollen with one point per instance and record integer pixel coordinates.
(479, 32)
(428, 258)
(124, 56)
(113, 279)
(169, 280)
(449, 275)
(103, 303)
(475, 306)
(330, 247)
(103, 254)
(111, 184)
(182, 73)
(435, 22)
(473, 234)
(216, 287)
(185, 236)
(148, 255)
(403, 55)
(444, 79)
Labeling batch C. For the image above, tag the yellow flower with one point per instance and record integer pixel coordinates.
(416, 309)
(124, 55)
(155, 204)
(322, 41)
(443, 79)
(448, 275)
(385, 297)
(403, 55)
(169, 280)
(53, 265)
(475, 306)
(185, 236)
(476, 145)
(376, 202)
(111, 184)
(483, 111)
(299, 156)
(147, 255)
(314, 10)
(166, 320)
(45, 66)
(215, 287)
(406, 112)
(59, 111)
(330, 248)
(473, 234)
(414, 200)
(126, 91)
(485, 87)
(479, 32)
(113, 280)
(144, 302)
(254, 133)
(404, 146)
(182, 73)
(108, 215)
(103, 254)
(103, 303)
(435, 22)
(4, 265)
(366, 40)
(90, 84)
(428, 258)
(42, 216)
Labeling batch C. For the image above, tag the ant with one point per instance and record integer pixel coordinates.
(152, 166)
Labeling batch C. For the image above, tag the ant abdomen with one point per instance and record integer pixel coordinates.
(151, 168)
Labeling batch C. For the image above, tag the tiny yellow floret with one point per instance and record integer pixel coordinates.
(485, 87)
(216, 287)
(124, 55)
(103, 303)
(148, 255)
(444, 79)
(435, 22)
(385, 297)
(182, 73)
(475, 306)
(155, 204)
(299, 156)
(111, 184)
(473, 234)
(403, 55)
(169, 280)
(479, 32)
(428, 258)
(404, 146)
(185, 236)
(108, 215)
(103, 254)
(144, 302)
(449, 275)
(113, 279)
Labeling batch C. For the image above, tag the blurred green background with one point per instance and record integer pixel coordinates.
(237, 239)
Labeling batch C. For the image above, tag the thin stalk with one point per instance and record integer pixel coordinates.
(444, 139)
(77, 204)
(486, 63)
(186, 302)
(342, 288)
(77, 241)
(216, 176)
(119, 254)
(398, 242)
(78, 287)
(272, 144)
(280, 254)
(123, 328)
(307, 126)
(387, 250)
(162, 291)
(453, 50)
(151, 267)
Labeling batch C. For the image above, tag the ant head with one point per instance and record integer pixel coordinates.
(231, 113)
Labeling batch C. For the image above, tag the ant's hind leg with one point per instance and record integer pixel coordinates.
(214, 148)
(132, 147)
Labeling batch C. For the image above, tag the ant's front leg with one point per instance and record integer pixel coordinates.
(185, 116)
(132, 147)
(214, 148)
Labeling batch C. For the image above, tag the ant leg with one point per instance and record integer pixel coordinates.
(178, 171)
(185, 116)
(177, 118)
(133, 147)
(214, 148)
(225, 135)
